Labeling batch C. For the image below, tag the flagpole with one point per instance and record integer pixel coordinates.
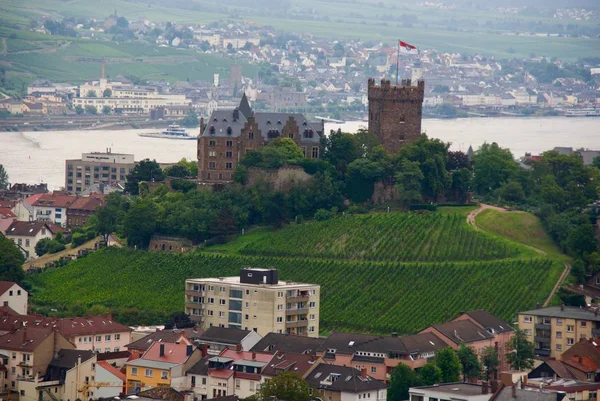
(398, 63)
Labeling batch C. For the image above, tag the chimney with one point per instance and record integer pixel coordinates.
(538, 306)
(514, 391)
(162, 350)
(484, 387)
(562, 307)
(494, 386)
(254, 356)
(363, 373)
(238, 347)
(204, 350)
(581, 360)
(188, 350)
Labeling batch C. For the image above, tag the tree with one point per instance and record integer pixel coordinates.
(511, 191)
(408, 182)
(401, 379)
(447, 360)
(79, 110)
(91, 109)
(430, 374)
(520, 351)
(596, 162)
(492, 166)
(145, 170)
(179, 320)
(4, 184)
(48, 245)
(471, 367)
(177, 170)
(140, 222)
(11, 261)
(190, 120)
(490, 361)
(288, 386)
(106, 110)
(107, 93)
(91, 93)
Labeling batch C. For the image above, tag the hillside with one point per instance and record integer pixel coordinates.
(381, 292)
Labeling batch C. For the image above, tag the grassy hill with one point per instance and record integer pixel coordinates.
(378, 293)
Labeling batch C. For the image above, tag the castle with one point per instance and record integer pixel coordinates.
(229, 134)
(395, 112)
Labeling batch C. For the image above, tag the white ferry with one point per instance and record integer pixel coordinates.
(590, 112)
(172, 132)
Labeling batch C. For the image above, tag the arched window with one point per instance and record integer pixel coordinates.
(251, 135)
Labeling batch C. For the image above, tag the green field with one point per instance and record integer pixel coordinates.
(379, 293)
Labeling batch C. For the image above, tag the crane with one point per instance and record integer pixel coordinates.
(84, 387)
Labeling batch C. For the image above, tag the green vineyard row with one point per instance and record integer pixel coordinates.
(378, 297)
(401, 237)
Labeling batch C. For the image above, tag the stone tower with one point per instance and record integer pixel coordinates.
(395, 112)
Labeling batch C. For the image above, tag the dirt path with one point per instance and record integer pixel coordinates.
(558, 284)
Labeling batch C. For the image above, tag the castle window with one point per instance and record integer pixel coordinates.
(304, 150)
(315, 152)
(229, 144)
(229, 154)
(229, 130)
(208, 176)
(269, 122)
(229, 165)
(212, 143)
(212, 153)
(308, 133)
(251, 135)
(212, 165)
(279, 122)
(220, 176)
(224, 120)
(305, 123)
(273, 133)
(215, 120)
(401, 119)
(291, 135)
(212, 129)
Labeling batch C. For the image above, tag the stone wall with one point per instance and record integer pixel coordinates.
(280, 178)
(160, 243)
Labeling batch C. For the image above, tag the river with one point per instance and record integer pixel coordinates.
(35, 157)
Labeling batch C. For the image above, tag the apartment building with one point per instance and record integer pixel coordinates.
(53, 207)
(255, 300)
(343, 383)
(451, 391)
(97, 168)
(82, 209)
(554, 329)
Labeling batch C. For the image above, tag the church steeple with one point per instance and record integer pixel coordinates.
(244, 107)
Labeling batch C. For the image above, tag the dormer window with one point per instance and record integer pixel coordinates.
(229, 130)
(224, 120)
(269, 122)
(279, 122)
(215, 120)
(305, 123)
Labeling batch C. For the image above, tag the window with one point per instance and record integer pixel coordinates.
(279, 319)
(280, 294)
(117, 336)
(312, 304)
(222, 302)
(229, 165)
(237, 384)
(98, 338)
(311, 317)
(134, 371)
(164, 374)
(373, 369)
(570, 341)
(221, 314)
(229, 144)
(313, 292)
(107, 337)
(559, 322)
(315, 152)
(229, 154)
(212, 143)
(148, 373)
(251, 135)
(583, 324)
(527, 332)
(212, 165)
(280, 307)
(570, 328)
(559, 334)
(527, 319)
(311, 329)
(26, 244)
(558, 347)
(210, 313)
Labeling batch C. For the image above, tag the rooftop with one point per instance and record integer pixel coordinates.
(566, 312)
(458, 389)
(236, 280)
(288, 343)
(489, 321)
(223, 335)
(463, 331)
(68, 327)
(26, 228)
(165, 336)
(342, 379)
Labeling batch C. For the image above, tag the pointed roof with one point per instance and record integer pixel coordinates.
(244, 106)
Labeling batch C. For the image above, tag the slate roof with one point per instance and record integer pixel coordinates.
(24, 339)
(26, 228)
(67, 358)
(455, 389)
(489, 321)
(224, 335)
(349, 343)
(566, 312)
(348, 381)
(288, 343)
(200, 368)
(289, 362)
(165, 336)
(463, 331)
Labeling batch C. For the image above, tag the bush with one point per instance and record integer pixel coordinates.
(90, 235)
(78, 239)
(324, 214)
(429, 207)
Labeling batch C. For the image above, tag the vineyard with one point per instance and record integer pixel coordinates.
(380, 296)
(397, 237)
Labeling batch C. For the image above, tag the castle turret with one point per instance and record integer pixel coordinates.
(395, 112)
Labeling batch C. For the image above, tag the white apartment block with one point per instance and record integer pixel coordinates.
(255, 300)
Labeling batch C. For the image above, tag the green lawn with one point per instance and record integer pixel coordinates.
(520, 227)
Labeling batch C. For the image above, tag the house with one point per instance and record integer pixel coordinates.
(379, 354)
(451, 391)
(163, 364)
(82, 208)
(301, 364)
(161, 336)
(583, 359)
(552, 368)
(53, 207)
(233, 371)
(26, 234)
(570, 389)
(23, 209)
(512, 393)
(13, 296)
(555, 329)
(217, 339)
(106, 373)
(116, 359)
(93, 333)
(499, 328)
(29, 351)
(6, 213)
(337, 383)
(274, 342)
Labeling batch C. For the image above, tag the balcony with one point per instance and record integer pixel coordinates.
(298, 298)
(194, 305)
(25, 364)
(542, 339)
(193, 293)
(296, 311)
(542, 326)
(297, 323)
(542, 351)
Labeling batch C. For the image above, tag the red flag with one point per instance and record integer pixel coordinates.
(406, 48)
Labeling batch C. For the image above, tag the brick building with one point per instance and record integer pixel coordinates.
(395, 112)
(229, 134)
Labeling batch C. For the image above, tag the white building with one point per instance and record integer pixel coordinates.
(451, 391)
(13, 296)
(26, 235)
(106, 373)
(53, 207)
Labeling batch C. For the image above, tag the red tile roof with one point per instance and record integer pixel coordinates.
(7, 203)
(24, 338)
(88, 203)
(173, 353)
(26, 228)
(68, 327)
(33, 198)
(111, 369)
(55, 200)
(5, 286)
(6, 212)
(246, 355)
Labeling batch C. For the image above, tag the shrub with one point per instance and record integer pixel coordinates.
(78, 239)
